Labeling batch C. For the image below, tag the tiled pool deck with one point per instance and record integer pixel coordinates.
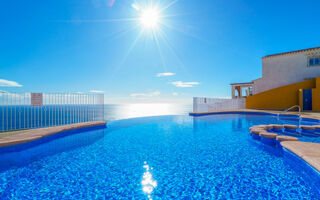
(308, 151)
(23, 136)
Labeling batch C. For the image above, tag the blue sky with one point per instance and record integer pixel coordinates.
(200, 46)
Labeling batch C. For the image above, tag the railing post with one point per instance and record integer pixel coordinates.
(195, 104)
(94, 108)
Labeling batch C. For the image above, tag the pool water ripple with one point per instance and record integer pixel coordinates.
(209, 157)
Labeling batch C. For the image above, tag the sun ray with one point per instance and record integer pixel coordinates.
(171, 49)
(166, 42)
(169, 5)
(160, 52)
(121, 33)
(175, 15)
(126, 55)
(97, 20)
(150, 19)
(182, 31)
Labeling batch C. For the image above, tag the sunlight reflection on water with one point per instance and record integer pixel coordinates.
(124, 111)
(148, 184)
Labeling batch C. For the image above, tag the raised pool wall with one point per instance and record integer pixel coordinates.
(286, 96)
(37, 134)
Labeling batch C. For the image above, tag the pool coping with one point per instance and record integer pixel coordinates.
(36, 134)
(305, 115)
(307, 151)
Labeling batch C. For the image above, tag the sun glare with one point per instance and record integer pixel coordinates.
(149, 18)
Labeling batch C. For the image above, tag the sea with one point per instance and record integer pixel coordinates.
(125, 111)
(18, 117)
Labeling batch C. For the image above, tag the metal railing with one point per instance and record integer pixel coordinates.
(36, 110)
(286, 110)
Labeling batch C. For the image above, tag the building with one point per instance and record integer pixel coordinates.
(287, 79)
(287, 68)
(241, 90)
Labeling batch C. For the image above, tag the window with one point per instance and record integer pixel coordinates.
(314, 62)
(310, 61)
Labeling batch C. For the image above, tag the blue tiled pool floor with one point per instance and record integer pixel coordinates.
(168, 157)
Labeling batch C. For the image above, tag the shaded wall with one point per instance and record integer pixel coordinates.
(284, 97)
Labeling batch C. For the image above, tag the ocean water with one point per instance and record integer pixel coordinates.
(25, 117)
(125, 111)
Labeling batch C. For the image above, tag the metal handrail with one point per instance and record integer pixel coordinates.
(286, 110)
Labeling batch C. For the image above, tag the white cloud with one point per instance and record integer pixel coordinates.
(165, 74)
(6, 83)
(184, 84)
(96, 91)
(175, 94)
(150, 94)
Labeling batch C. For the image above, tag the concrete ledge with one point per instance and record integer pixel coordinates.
(309, 152)
(35, 134)
(313, 161)
(268, 135)
(286, 138)
(306, 127)
(244, 111)
(258, 131)
(276, 126)
(289, 126)
(314, 116)
(264, 126)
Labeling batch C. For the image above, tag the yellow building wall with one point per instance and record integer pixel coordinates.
(284, 97)
(300, 97)
(316, 96)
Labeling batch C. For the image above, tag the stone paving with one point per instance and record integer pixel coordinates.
(18, 137)
(310, 152)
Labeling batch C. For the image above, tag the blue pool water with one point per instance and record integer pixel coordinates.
(166, 157)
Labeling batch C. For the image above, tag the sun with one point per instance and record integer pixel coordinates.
(149, 18)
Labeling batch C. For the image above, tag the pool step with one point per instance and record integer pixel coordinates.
(291, 130)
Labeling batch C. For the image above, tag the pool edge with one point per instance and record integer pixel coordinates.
(36, 134)
(307, 151)
(301, 162)
(255, 112)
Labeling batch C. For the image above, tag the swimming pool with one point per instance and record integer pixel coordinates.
(165, 157)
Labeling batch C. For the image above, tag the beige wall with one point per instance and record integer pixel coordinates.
(283, 70)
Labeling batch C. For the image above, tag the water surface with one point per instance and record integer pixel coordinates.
(165, 157)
